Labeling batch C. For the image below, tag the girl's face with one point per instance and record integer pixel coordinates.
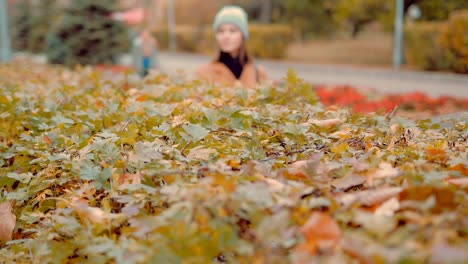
(229, 38)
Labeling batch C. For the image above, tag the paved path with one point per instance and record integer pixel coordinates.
(383, 80)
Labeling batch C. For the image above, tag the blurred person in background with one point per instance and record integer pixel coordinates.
(232, 65)
(145, 52)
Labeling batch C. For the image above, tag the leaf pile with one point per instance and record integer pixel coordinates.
(115, 170)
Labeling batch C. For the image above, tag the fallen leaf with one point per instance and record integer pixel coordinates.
(354, 248)
(47, 140)
(386, 170)
(388, 208)
(93, 214)
(445, 197)
(436, 155)
(321, 232)
(327, 122)
(460, 168)
(460, 182)
(201, 153)
(348, 182)
(7, 221)
(369, 197)
(305, 168)
(129, 178)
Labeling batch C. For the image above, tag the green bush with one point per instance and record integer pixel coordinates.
(422, 46)
(454, 39)
(269, 41)
(439, 45)
(266, 41)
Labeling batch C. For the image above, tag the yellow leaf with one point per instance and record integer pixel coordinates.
(340, 148)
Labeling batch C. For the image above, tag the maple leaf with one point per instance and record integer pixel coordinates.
(196, 131)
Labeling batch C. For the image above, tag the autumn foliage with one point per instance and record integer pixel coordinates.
(108, 168)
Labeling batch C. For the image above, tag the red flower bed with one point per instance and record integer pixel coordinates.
(353, 98)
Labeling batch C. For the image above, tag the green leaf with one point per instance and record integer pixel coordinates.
(89, 172)
(196, 131)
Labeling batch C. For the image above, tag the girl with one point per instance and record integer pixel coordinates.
(145, 53)
(233, 65)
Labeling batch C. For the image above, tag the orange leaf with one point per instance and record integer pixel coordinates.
(47, 140)
(234, 164)
(461, 168)
(142, 98)
(435, 152)
(436, 155)
(7, 221)
(321, 232)
(100, 104)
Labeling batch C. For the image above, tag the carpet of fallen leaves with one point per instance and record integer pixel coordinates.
(167, 170)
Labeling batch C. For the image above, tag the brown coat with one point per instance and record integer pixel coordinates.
(217, 72)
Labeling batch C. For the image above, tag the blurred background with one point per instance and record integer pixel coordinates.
(344, 32)
(330, 42)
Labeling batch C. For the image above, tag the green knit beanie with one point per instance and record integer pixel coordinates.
(234, 15)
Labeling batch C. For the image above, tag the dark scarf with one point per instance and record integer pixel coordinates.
(233, 64)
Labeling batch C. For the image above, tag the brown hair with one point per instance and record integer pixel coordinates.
(244, 56)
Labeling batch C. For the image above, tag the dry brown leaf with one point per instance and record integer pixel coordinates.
(388, 208)
(93, 214)
(7, 221)
(386, 170)
(305, 168)
(327, 122)
(369, 197)
(394, 128)
(348, 182)
(353, 248)
(128, 178)
(201, 153)
(320, 232)
(460, 182)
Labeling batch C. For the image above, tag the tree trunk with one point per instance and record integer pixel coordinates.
(266, 9)
(356, 28)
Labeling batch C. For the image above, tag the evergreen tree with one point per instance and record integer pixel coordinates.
(42, 19)
(22, 26)
(87, 34)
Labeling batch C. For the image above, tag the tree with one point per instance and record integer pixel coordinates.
(307, 17)
(87, 34)
(22, 25)
(431, 10)
(358, 13)
(42, 18)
